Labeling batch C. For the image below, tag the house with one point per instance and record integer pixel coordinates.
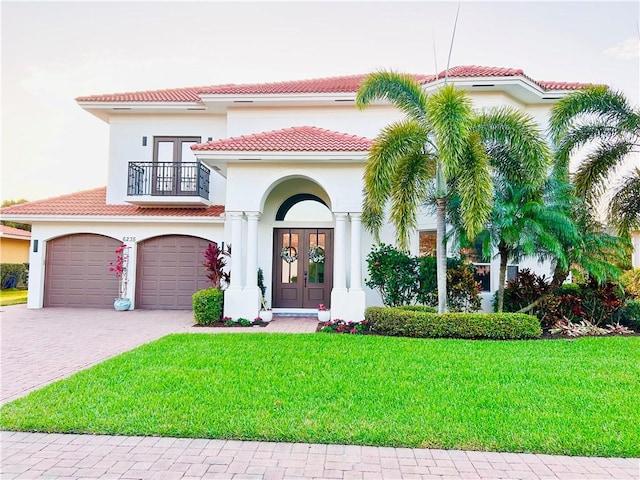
(273, 169)
(14, 245)
(635, 255)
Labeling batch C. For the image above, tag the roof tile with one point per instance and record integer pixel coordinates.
(16, 232)
(298, 139)
(342, 84)
(93, 203)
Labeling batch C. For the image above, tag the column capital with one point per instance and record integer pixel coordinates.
(234, 214)
(355, 215)
(253, 215)
(340, 215)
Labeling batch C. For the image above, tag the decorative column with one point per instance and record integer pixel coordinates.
(356, 249)
(339, 253)
(252, 250)
(236, 250)
(234, 303)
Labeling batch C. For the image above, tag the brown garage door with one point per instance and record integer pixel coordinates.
(77, 271)
(169, 271)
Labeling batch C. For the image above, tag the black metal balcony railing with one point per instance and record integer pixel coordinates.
(168, 178)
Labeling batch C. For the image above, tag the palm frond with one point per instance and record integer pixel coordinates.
(400, 89)
(624, 208)
(595, 101)
(450, 115)
(515, 144)
(589, 179)
(396, 141)
(475, 187)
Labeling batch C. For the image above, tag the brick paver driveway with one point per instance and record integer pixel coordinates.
(41, 346)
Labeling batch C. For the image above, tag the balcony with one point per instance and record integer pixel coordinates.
(168, 184)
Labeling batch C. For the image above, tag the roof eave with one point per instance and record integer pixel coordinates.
(31, 219)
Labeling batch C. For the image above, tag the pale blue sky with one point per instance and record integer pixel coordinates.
(53, 52)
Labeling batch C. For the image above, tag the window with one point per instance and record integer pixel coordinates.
(427, 246)
(473, 255)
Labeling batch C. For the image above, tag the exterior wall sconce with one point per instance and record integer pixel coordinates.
(209, 139)
(144, 141)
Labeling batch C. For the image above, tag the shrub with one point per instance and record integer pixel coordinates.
(629, 314)
(522, 291)
(207, 306)
(463, 291)
(630, 281)
(408, 323)
(215, 261)
(418, 308)
(13, 275)
(393, 274)
(600, 302)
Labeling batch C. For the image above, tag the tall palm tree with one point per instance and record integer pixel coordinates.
(606, 124)
(443, 138)
(624, 208)
(433, 141)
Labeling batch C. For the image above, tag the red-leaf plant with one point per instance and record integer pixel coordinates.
(215, 262)
(120, 267)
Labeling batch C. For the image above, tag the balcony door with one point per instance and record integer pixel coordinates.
(303, 267)
(175, 169)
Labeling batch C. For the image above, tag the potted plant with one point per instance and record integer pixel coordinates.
(121, 269)
(324, 315)
(265, 314)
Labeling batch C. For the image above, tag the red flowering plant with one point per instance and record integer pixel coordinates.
(340, 326)
(322, 308)
(121, 269)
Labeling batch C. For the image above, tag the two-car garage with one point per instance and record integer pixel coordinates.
(169, 270)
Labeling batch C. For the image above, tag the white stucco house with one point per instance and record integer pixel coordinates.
(274, 169)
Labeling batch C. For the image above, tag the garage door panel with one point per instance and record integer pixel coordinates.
(77, 271)
(169, 271)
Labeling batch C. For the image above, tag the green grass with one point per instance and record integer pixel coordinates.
(579, 397)
(12, 296)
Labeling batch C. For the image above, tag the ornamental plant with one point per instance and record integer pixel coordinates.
(322, 308)
(215, 262)
(121, 268)
(340, 326)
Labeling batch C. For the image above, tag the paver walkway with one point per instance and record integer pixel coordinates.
(41, 346)
(38, 455)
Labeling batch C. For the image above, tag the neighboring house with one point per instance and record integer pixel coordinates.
(274, 169)
(14, 245)
(635, 255)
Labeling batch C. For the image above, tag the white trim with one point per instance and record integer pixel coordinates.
(115, 219)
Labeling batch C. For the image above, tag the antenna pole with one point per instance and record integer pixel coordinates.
(453, 36)
(435, 57)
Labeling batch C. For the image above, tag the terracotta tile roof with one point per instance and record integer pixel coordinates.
(15, 232)
(343, 84)
(93, 203)
(298, 139)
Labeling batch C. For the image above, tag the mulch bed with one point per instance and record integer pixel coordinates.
(235, 325)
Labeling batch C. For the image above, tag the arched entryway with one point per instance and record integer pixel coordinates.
(302, 256)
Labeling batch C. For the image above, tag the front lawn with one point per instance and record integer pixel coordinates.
(578, 397)
(12, 296)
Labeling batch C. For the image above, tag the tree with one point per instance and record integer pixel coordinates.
(433, 141)
(624, 209)
(606, 124)
(21, 226)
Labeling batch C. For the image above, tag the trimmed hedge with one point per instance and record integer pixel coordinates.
(207, 306)
(418, 308)
(407, 323)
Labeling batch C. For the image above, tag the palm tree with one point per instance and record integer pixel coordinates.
(602, 120)
(443, 137)
(433, 141)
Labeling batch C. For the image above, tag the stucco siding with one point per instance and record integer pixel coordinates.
(13, 250)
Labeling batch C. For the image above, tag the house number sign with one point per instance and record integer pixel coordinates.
(128, 239)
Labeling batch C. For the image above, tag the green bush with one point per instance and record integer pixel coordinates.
(629, 314)
(14, 275)
(393, 274)
(407, 323)
(207, 306)
(630, 280)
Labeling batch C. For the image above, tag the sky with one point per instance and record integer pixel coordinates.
(53, 52)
